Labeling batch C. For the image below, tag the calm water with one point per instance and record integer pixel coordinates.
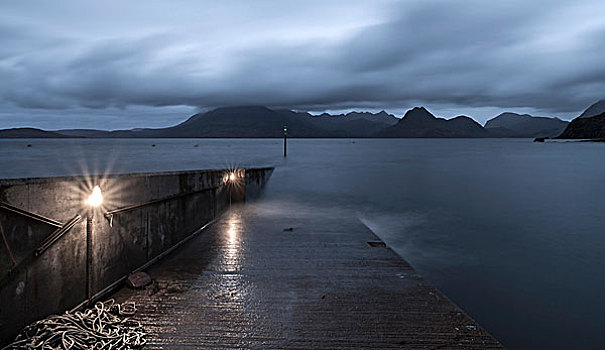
(512, 231)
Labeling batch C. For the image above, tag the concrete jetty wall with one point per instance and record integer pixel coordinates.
(142, 216)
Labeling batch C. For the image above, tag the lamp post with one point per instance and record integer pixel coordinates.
(94, 200)
(232, 178)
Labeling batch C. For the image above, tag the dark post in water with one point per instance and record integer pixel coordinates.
(285, 141)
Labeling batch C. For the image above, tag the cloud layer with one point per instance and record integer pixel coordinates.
(81, 60)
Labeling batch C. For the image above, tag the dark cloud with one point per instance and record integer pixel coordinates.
(471, 56)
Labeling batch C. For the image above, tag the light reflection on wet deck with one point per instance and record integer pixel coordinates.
(245, 283)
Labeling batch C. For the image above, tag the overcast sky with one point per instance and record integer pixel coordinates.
(122, 64)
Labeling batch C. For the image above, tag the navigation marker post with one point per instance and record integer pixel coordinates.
(285, 141)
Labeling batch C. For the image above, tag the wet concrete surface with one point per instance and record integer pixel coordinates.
(250, 282)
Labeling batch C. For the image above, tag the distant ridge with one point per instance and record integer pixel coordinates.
(84, 133)
(524, 125)
(354, 124)
(29, 133)
(381, 117)
(419, 122)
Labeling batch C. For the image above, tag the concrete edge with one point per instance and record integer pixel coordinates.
(49, 179)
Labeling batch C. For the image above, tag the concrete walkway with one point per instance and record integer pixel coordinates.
(247, 283)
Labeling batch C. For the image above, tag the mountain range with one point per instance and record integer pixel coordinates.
(419, 122)
(264, 122)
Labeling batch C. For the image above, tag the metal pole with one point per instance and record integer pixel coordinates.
(285, 141)
(89, 232)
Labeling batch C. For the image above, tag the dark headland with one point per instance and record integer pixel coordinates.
(589, 125)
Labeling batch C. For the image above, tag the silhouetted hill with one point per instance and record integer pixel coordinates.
(380, 117)
(585, 128)
(29, 133)
(524, 125)
(418, 122)
(353, 124)
(595, 109)
(255, 121)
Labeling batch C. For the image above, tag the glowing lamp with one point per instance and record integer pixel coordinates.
(96, 198)
(232, 177)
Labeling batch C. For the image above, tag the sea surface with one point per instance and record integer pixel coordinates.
(512, 231)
